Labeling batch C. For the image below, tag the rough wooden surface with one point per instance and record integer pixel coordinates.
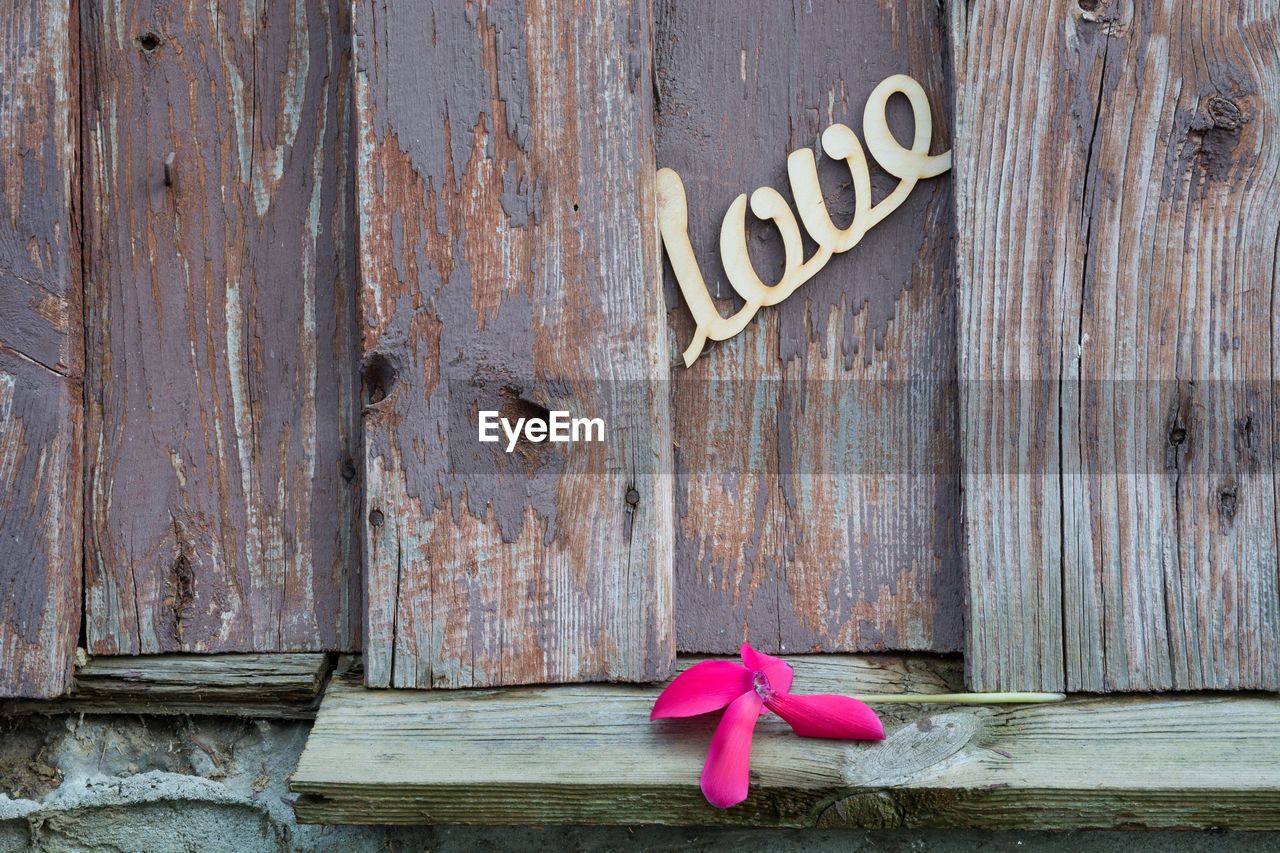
(41, 346)
(508, 262)
(252, 685)
(1116, 169)
(588, 754)
(224, 462)
(817, 488)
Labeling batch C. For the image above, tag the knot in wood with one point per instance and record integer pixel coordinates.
(1224, 113)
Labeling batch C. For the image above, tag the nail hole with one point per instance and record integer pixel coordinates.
(376, 518)
(1089, 5)
(575, 207)
(377, 376)
(149, 41)
(1177, 436)
(1227, 504)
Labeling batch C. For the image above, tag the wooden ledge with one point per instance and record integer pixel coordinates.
(589, 755)
(257, 685)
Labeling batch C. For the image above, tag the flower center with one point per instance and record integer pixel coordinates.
(760, 684)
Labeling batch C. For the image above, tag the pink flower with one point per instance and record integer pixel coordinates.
(748, 691)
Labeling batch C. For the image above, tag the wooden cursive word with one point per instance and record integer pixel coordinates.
(909, 165)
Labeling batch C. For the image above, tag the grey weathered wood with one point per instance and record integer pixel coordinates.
(250, 685)
(508, 262)
(1116, 173)
(817, 488)
(41, 349)
(224, 462)
(588, 754)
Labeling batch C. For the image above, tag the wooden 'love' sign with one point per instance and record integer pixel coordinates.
(909, 165)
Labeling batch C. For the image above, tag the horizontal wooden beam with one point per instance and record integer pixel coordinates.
(286, 686)
(588, 754)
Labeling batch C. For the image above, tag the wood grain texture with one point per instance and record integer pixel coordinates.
(817, 479)
(40, 526)
(508, 262)
(41, 349)
(223, 421)
(588, 754)
(1117, 186)
(277, 686)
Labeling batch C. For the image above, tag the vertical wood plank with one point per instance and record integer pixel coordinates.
(224, 486)
(508, 262)
(817, 479)
(1116, 170)
(41, 349)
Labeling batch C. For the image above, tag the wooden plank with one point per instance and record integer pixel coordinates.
(39, 257)
(278, 686)
(41, 349)
(40, 526)
(588, 754)
(1116, 193)
(817, 486)
(508, 261)
(225, 482)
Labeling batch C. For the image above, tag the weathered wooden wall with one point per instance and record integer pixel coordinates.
(1116, 168)
(224, 478)
(817, 488)
(41, 349)
(509, 262)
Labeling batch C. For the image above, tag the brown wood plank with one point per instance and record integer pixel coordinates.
(590, 755)
(41, 349)
(278, 686)
(222, 410)
(508, 261)
(817, 486)
(1116, 167)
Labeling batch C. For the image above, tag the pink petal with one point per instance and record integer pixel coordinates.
(724, 776)
(827, 716)
(703, 687)
(778, 671)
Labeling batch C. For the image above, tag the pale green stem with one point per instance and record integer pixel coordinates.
(963, 698)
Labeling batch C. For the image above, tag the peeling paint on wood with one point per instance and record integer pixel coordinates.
(508, 262)
(221, 296)
(1116, 169)
(817, 485)
(41, 346)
